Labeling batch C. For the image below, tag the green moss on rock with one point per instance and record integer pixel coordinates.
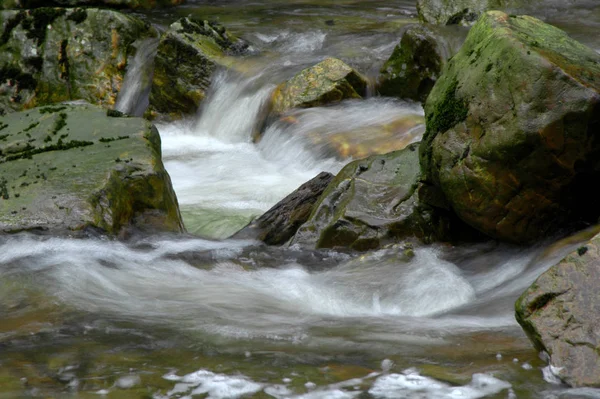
(510, 129)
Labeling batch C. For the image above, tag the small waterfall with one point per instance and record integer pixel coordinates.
(133, 97)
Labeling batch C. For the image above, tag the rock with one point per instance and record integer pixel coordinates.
(282, 221)
(328, 82)
(371, 202)
(188, 55)
(511, 125)
(559, 313)
(417, 61)
(50, 55)
(67, 168)
(457, 12)
(133, 4)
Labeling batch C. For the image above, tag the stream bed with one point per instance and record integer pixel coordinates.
(209, 317)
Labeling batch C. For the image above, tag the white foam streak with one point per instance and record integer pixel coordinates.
(133, 97)
(411, 384)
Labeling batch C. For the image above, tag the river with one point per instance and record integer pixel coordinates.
(205, 316)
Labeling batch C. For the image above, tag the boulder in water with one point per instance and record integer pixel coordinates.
(50, 55)
(372, 202)
(282, 221)
(417, 62)
(68, 168)
(458, 12)
(328, 82)
(188, 55)
(512, 125)
(559, 313)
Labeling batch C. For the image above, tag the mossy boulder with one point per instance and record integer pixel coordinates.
(417, 61)
(372, 202)
(132, 4)
(67, 168)
(458, 12)
(328, 82)
(189, 53)
(512, 124)
(560, 314)
(50, 55)
(280, 223)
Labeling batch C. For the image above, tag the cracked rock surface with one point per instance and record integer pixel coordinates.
(560, 313)
(512, 129)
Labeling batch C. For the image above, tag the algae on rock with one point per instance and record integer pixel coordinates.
(511, 129)
(417, 61)
(559, 313)
(373, 202)
(50, 55)
(68, 168)
(132, 4)
(188, 55)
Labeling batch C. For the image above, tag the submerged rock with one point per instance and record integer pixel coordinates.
(511, 129)
(328, 82)
(50, 55)
(417, 62)
(66, 168)
(372, 202)
(188, 55)
(364, 141)
(133, 4)
(282, 221)
(559, 313)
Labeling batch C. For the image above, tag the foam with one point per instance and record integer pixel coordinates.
(411, 384)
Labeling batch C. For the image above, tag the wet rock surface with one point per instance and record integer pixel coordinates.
(417, 61)
(511, 128)
(560, 313)
(49, 55)
(68, 168)
(282, 221)
(188, 55)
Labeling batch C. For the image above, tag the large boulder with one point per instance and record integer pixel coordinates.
(370, 203)
(560, 313)
(328, 82)
(189, 53)
(457, 12)
(133, 4)
(417, 61)
(280, 223)
(49, 55)
(67, 168)
(512, 125)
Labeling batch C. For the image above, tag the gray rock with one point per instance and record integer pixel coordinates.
(282, 221)
(188, 55)
(372, 202)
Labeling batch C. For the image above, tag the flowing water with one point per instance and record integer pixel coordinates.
(173, 317)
